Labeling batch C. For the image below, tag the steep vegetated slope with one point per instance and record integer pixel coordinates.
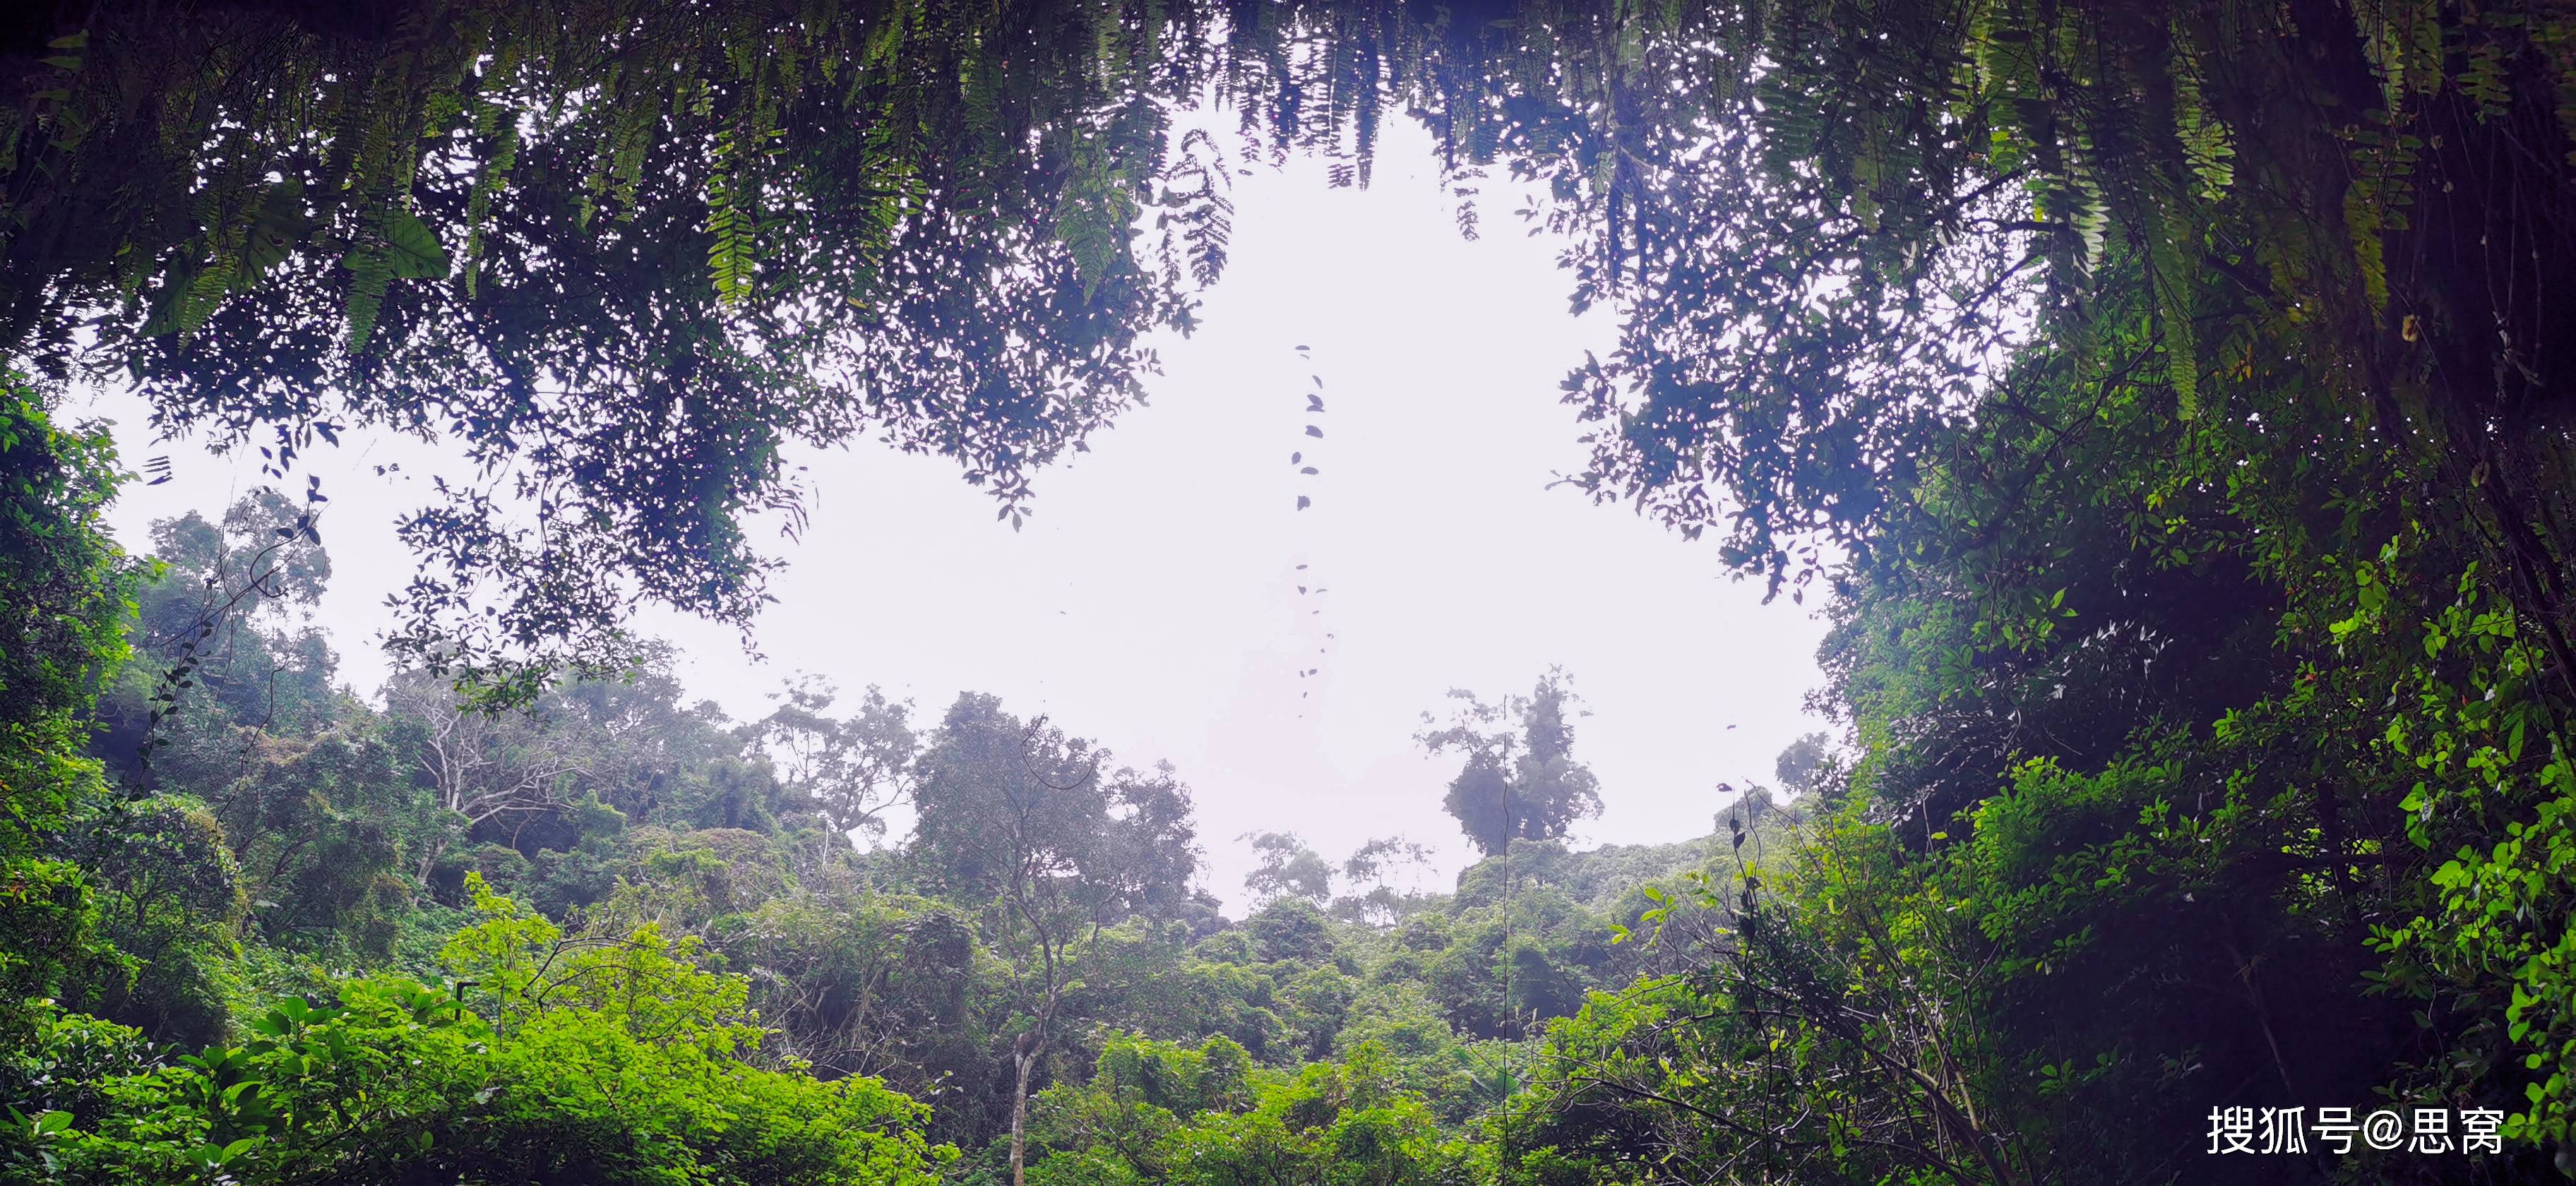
(626, 918)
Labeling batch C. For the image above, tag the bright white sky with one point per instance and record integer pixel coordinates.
(1152, 602)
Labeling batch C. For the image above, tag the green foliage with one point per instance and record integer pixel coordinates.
(2168, 399)
(848, 770)
(651, 232)
(1289, 929)
(2196, 759)
(602, 1062)
(283, 893)
(1288, 868)
(1156, 1112)
(1520, 781)
(65, 588)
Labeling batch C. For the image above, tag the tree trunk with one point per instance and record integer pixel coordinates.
(429, 859)
(1023, 1063)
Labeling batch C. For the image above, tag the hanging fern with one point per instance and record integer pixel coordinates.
(2207, 146)
(371, 273)
(1095, 212)
(2172, 253)
(399, 247)
(731, 227)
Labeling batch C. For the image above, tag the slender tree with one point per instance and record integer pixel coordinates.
(1027, 819)
(483, 766)
(1520, 780)
(851, 770)
(1288, 868)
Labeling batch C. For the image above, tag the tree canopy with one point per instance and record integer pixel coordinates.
(1520, 780)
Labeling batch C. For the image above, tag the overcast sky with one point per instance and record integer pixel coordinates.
(1153, 603)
